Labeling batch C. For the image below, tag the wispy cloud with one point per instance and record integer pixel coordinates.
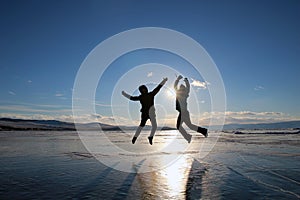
(106, 105)
(259, 87)
(150, 74)
(59, 95)
(29, 81)
(85, 118)
(102, 105)
(11, 93)
(200, 84)
(29, 109)
(58, 106)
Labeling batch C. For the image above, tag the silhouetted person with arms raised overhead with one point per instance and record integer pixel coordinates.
(182, 93)
(148, 111)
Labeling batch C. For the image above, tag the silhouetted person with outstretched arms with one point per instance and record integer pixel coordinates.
(182, 93)
(148, 111)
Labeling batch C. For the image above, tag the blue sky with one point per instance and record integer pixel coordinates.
(255, 45)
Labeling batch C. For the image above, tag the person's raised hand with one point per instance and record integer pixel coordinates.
(163, 81)
(179, 77)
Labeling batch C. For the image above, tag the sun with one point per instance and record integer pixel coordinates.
(170, 93)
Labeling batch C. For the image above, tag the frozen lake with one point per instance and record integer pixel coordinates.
(56, 165)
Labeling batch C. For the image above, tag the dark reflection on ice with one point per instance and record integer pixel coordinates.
(91, 186)
(194, 183)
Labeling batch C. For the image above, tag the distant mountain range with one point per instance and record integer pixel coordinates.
(48, 125)
(277, 125)
(8, 124)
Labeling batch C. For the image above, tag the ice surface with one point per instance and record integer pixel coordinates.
(56, 165)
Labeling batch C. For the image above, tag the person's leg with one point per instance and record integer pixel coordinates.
(179, 121)
(153, 129)
(187, 121)
(137, 133)
(183, 132)
(141, 126)
(152, 117)
(154, 126)
(185, 135)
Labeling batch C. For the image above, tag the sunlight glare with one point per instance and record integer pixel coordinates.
(171, 93)
(176, 177)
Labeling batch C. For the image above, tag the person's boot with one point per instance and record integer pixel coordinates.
(133, 140)
(150, 140)
(203, 131)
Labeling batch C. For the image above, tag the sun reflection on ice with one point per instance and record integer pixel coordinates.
(175, 176)
(170, 167)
